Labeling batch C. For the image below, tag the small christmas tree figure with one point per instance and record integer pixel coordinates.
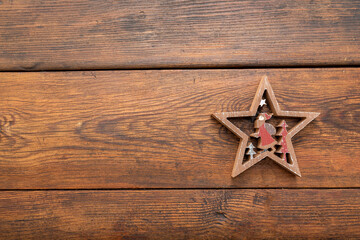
(282, 132)
(251, 151)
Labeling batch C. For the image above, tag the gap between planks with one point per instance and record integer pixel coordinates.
(191, 68)
(177, 189)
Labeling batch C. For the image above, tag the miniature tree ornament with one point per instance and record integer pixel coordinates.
(283, 149)
(251, 151)
(266, 138)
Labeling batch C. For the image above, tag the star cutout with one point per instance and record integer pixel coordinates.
(241, 164)
(262, 102)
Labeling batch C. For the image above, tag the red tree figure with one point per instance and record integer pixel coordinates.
(282, 142)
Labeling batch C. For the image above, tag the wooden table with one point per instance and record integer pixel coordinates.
(106, 128)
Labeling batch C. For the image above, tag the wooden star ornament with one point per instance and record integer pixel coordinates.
(273, 144)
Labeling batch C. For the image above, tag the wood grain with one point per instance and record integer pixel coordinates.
(181, 214)
(88, 34)
(153, 129)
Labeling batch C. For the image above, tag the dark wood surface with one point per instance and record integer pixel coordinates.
(131, 153)
(181, 214)
(153, 129)
(87, 34)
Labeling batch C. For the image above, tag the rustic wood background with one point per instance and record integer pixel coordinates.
(100, 34)
(105, 126)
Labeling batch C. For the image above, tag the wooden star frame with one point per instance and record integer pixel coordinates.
(241, 164)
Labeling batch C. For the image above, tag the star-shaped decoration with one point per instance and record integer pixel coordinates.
(284, 155)
(262, 102)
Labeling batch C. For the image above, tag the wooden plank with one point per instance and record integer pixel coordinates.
(181, 214)
(153, 129)
(86, 34)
